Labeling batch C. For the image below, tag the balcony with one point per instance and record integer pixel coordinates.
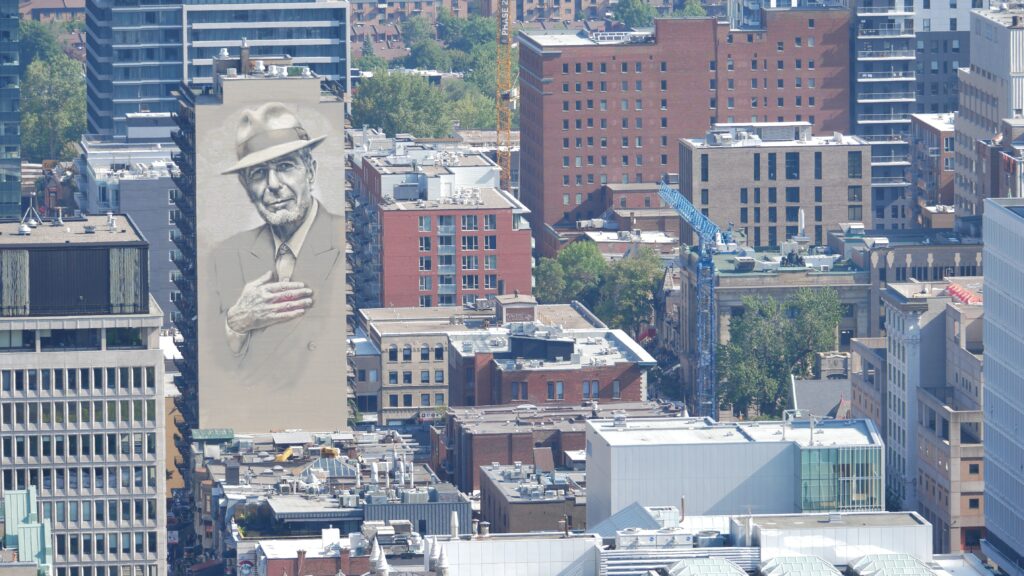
(446, 288)
(450, 249)
(893, 75)
(886, 55)
(879, 97)
(446, 269)
(889, 181)
(885, 10)
(446, 230)
(886, 32)
(882, 139)
(185, 203)
(891, 160)
(882, 118)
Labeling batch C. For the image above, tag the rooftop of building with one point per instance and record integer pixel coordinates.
(768, 261)
(564, 417)
(96, 230)
(523, 483)
(1013, 205)
(941, 122)
(769, 134)
(621, 432)
(966, 290)
(427, 160)
(568, 38)
(466, 198)
(328, 546)
(1008, 15)
(455, 319)
(847, 520)
(854, 236)
(630, 237)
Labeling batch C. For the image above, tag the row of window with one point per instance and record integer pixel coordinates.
(854, 166)
(74, 339)
(85, 412)
(75, 379)
(426, 263)
(113, 477)
(763, 84)
(126, 570)
(427, 301)
(407, 353)
(780, 102)
(424, 377)
(469, 222)
(101, 544)
(75, 446)
(407, 400)
(469, 282)
(467, 242)
(602, 67)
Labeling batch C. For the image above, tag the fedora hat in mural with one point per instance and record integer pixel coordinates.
(269, 132)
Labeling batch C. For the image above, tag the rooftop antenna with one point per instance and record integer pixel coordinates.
(31, 218)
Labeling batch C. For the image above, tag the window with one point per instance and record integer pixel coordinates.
(424, 244)
(490, 222)
(439, 352)
(424, 376)
(393, 353)
(425, 263)
(556, 390)
(424, 223)
(407, 353)
(792, 165)
(853, 164)
(439, 376)
(425, 353)
(491, 281)
(470, 262)
(490, 262)
(974, 503)
(616, 390)
(393, 401)
(470, 243)
(704, 196)
(855, 213)
(817, 193)
(973, 468)
(490, 242)
(771, 167)
(757, 170)
(854, 194)
(407, 400)
(792, 194)
(703, 167)
(470, 282)
(817, 165)
(407, 377)
(792, 214)
(426, 283)
(424, 399)
(469, 222)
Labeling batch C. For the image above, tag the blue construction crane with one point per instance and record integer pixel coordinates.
(708, 235)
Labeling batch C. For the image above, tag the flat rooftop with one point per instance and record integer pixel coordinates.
(940, 122)
(527, 486)
(627, 237)
(678, 431)
(456, 319)
(427, 160)
(564, 417)
(961, 289)
(591, 348)
(568, 38)
(1003, 17)
(475, 198)
(1014, 205)
(813, 141)
(73, 231)
(846, 520)
(312, 547)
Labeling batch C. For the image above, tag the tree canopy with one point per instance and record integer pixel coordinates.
(417, 29)
(693, 9)
(52, 108)
(634, 13)
(36, 41)
(772, 340)
(400, 103)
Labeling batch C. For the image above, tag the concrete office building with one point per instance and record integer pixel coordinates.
(82, 392)
(933, 421)
(1004, 383)
(133, 175)
(943, 41)
(802, 466)
(139, 51)
(612, 105)
(884, 96)
(991, 89)
(762, 176)
(10, 113)
(931, 169)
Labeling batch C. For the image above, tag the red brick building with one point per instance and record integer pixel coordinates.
(610, 107)
(480, 436)
(443, 233)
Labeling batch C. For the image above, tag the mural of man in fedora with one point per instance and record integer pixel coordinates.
(273, 283)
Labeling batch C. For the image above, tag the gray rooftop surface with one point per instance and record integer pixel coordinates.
(72, 232)
(846, 520)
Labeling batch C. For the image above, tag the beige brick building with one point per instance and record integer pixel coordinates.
(759, 176)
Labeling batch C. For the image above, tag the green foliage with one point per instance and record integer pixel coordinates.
(634, 13)
(472, 110)
(626, 297)
(373, 63)
(584, 269)
(429, 55)
(693, 9)
(550, 279)
(772, 340)
(52, 107)
(483, 68)
(37, 41)
(417, 29)
(401, 103)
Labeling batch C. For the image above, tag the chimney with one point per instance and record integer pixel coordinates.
(485, 528)
(454, 524)
(301, 561)
(244, 63)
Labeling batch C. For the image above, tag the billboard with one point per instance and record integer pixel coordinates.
(270, 231)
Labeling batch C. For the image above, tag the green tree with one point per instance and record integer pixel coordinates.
(449, 26)
(634, 13)
(473, 111)
(417, 29)
(475, 31)
(52, 107)
(772, 340)
(693, 9)
(429, 55)
(584, 268)
(550, 280)
(401, 103)
(626, 298)
(483, 68)
(372, 62)
(37, 41)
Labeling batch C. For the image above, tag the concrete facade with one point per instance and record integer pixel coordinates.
(522, 498)
(761, 176)
(656, 462)
(991, 89)
(609, 104)
(932, 169)
(1004, 384)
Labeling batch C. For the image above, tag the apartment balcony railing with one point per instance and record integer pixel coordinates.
(891, 160)
(884, 10)
(868, 118)
(886, 97)
(900, 75)
(885, 54)
(886, 32)
(889, 181)
(894, 139)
